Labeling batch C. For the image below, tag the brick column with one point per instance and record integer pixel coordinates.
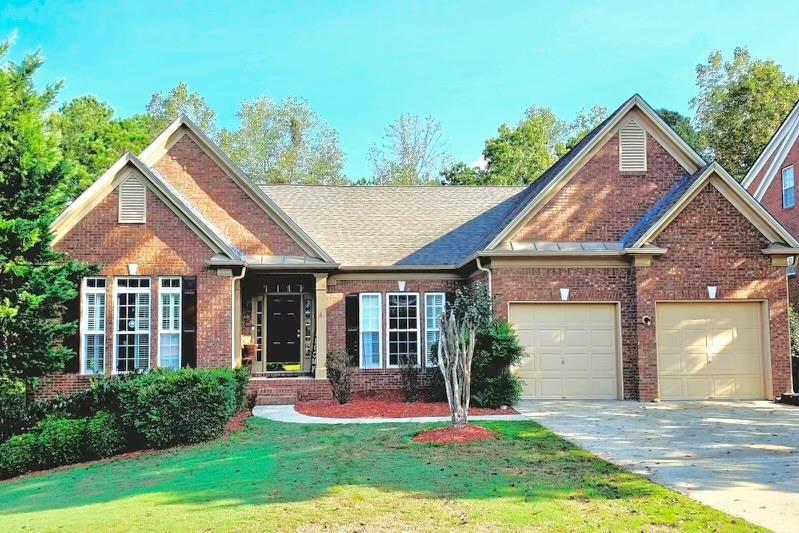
(646, 339)
(321, 326)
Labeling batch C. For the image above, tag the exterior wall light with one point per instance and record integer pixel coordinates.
(711, 291)
(564, 294)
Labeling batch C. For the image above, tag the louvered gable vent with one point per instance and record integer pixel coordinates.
(632, 148)
(132, 201)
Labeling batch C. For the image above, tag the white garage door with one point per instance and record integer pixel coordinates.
(571, 349)
(710, 350)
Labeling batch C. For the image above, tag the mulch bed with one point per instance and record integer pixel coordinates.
(384, 407)
(237, 422)
(452, 435)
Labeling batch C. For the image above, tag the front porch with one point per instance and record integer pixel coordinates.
(283, 324)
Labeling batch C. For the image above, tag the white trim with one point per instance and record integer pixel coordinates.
(783, 173)
(788, 130)
(179, 331)
(379, 329)
(389, 330)
(115, 332)
(84, 290)
(437, 328)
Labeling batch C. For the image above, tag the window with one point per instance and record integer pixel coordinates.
(403, 328)
(92, 326)
(433, 308)
(791, 271)
(132, 324)
(370, 328)
(132, 201)
(632, 148)
(169, 323)
(788, 189)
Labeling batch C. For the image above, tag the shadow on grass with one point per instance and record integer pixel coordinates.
(271, 462)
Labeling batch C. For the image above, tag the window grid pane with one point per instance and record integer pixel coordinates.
(133, 324)
(169, 323)
(403, 329)
(370, 330)
(788, 187)
(434, 307)
(92, 326)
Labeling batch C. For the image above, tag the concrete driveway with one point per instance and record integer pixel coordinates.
(740, 457)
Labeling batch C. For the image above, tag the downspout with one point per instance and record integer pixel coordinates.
(488, 273)
(233, 281)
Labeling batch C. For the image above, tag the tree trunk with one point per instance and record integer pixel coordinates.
(455, 351)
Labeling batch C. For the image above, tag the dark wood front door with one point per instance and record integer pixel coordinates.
(283, 323)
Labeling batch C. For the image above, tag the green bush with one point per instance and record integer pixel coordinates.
(166, 408)
(409, 379)
(18, 455)
(14, 416)
(494, 392)
(104, 435)
(338, 374)
(61, 441)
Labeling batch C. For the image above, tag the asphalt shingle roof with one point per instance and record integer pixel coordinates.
(409, 226)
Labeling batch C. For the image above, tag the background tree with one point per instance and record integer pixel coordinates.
(462, 174)
(684, 128)
(284, 143)
(570, 133)
(740, 105)
(91, 140)
(36, 282)
(179, 100)
(412, 152)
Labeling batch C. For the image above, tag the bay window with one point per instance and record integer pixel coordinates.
(169, 312)
(403, 328)
(132, 324)
(92, 326)
(370, 330)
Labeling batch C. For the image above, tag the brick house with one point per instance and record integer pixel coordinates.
(631, 269)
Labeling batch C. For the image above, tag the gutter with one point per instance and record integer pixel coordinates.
(233, 281)
(490, 280)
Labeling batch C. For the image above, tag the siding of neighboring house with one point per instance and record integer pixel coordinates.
(206, 186)
(163, 246)
(600, 203)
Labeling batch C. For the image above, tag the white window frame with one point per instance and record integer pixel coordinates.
(389, 330)
(379, 329)
(785, 172)
(116, 332)
(170, 290)
(84, 319)
(437, 329)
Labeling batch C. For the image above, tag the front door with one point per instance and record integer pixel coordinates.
(283, 327)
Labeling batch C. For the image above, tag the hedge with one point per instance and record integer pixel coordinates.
(154, 409)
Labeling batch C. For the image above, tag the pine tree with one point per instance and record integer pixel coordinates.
(36, 282)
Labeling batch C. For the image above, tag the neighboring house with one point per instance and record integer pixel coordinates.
(630, 269)
(772, 181)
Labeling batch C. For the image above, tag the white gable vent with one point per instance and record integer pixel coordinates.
(632, 148)
(132, 201)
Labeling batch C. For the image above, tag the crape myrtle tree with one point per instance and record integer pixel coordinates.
(459, 325)
(36, 283)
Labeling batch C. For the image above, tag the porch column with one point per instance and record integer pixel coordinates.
(321, 326)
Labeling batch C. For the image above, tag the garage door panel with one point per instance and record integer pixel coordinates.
(710, 350)
(572, 350)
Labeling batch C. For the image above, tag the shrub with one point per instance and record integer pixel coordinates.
(19, 454)
(13, 410)
(793, 319)
(497, 391)
(104, 435)
(409, 380)
(61, 441)
(166, 408)
(338, 374)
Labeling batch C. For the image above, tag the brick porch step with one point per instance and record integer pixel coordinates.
(272, 398)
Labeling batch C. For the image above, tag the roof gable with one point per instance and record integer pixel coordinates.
(543, 189)
(771, 158)
(676, 200)
(183, 126)
(117, 174)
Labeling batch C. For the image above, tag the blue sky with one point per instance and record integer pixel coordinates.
(471, 65)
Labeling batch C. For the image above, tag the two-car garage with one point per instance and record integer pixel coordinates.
(704, 350)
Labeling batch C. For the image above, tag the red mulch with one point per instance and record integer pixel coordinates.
(237, 422)
(384, 407)
(452, 435)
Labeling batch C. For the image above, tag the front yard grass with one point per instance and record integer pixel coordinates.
(276, 476)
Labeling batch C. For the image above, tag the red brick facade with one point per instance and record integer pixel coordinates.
(772, 199)
(600, 203)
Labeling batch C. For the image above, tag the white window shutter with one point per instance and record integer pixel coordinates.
(632, 148)
(132, 201)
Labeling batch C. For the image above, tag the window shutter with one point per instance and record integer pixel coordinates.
(352, 324)
(132, 201)
(188, 337)
(72, 312)
(632, 148)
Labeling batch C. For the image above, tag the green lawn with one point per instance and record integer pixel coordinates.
(284, 476)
